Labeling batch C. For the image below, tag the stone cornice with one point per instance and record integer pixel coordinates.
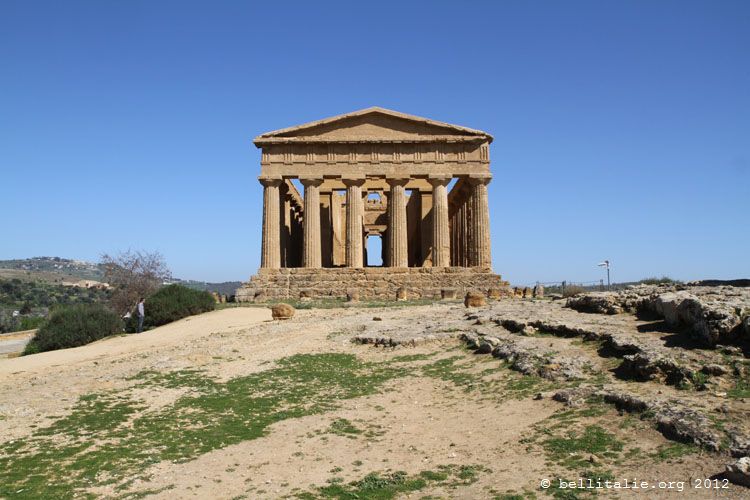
(456, 130)
(267, 141)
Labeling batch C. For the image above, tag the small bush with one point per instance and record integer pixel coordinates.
(572, 291)
(653, 280)
(171, 303)
(31, 322)
(74, 326)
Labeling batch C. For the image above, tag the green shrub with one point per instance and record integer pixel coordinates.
(573, 290)
(653, 280)
(31, 322)
(171, 303)
(73, 326)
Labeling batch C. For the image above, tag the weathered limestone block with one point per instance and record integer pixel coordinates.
(282, 311)
(595, 302)
(711, 323)
(474, 299)
(371, 283)
(666, 305)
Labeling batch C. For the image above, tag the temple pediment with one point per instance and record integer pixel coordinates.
(373, 125)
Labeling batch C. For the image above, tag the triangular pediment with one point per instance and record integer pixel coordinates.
(372, 124)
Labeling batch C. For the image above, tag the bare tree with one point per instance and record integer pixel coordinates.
(132, 275)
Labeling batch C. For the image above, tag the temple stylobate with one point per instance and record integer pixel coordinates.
(331, 186)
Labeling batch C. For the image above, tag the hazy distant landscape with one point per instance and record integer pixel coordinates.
(29, 288)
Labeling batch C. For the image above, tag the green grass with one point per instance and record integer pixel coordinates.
(573, 450)
(741, 388)
(112, 438)
(387, 485)
(343, 427)
(447, 369)
(672, 451)
(109, 437)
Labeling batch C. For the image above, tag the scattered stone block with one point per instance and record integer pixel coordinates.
(474, 299)
(282, 311)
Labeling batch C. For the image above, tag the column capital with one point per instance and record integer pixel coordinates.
(439, 180)
(475, 179)
(397, 181)
(270, 181)
(311, 181)
(353, 181)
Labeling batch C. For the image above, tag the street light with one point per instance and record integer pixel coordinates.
(605, 264)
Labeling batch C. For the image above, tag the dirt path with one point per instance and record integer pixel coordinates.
(184, 330)
(12, 344)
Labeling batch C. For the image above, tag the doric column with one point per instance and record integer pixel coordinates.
(270, 255)
(480, 222)
(397, 240)
(441, 242)
(311, 218)
(354, 209)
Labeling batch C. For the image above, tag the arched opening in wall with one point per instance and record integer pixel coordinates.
(374, 251)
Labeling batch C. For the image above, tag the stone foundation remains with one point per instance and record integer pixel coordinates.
(369, 283)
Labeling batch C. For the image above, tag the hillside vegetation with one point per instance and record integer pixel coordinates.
(34, 299)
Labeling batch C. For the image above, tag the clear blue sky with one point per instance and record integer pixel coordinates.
(622, 129)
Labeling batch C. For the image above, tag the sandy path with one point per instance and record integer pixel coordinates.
(11, 344)
(192, 328)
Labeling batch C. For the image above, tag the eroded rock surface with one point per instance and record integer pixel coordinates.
(710, 314)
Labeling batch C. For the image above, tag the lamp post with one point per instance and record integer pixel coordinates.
(605, 265)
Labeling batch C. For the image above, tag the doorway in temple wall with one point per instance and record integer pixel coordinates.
(374, 251)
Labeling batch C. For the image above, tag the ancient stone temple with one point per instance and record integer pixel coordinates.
(418, 185)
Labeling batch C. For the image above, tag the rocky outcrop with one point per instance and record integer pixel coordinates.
(597, 303)
(666, 305)
(711, 322)
(525, 359)
(650, 365)
(711, 315)
(739, 471)
(673, 418)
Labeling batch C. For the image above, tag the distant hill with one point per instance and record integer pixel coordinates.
(50, 269)
(224, 288)
(58, 270)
